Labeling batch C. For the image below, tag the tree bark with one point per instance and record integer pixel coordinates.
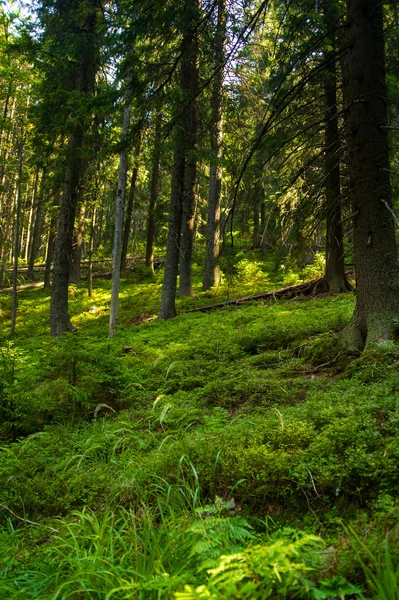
(149, 253)
(37, 227)
(376, 262)
(90, 263)
(120, 201)
(130, 202)
(85, 80)
(77, 248)
(30, 222)
(7, 226)
(212, 268)
(184, 175)
(50, 254)
(16, 238)
(59, 317)
(257, 236)
(190, 83)
(168, 299)
(334, 276)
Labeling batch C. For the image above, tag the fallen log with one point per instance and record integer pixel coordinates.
(95, 275)
(301, 289)
(135, 260)
(21, 288)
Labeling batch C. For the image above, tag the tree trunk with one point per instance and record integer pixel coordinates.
(257, 236)
(37, 228)
(120, 200)
(30, 223)
(334, 276)
(75, 271)
(90, 262)
(59, 317)
(168, 299)
(50, 251)
(212, 268)
(7, 233)
(50, 254)
(16, 238)
(183, 180)
(149, 253)
(85, 80)
(190, 75)
(130, 202)
(377, 267)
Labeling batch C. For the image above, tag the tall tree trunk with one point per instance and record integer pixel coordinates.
(149, 253)
(30, 223)
(212, 268)
(168, 299)
(264, 222)
(376, 259)
(37, 228)
(257, 236)
(120, 200)
(190, 82)
(130, 202)
(77, 248)
(335, 265)
(8, 145)
(16, 238)
(183, 179)
(85, 80)
(50, 253)
(7, 227)
(59, 317)
(4, 117)
(90, 261)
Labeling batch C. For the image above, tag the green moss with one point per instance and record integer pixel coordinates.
(231, 403)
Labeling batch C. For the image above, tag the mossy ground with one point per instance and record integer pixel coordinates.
(134, 448)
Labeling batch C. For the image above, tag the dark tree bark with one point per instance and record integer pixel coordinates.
(149, 254)
(120, 201)
(38, 225)
(190, 82)
(77, 249)
(257, 236)
(264, 222)
(16, 237)
(30, 225)
(334, 276)
(90, 255)
(51, 244)
(212, 268)
(168, 299)
(50, 254)
(59, 317)
(376, 261)
(85, 77)
(130, 203)
(183, 179)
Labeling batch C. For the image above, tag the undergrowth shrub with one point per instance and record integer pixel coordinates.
(249, 271)
(159, 450)
(281, 568)
(316, 268)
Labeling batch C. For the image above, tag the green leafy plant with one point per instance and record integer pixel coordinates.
(380, 568)
(280, 568)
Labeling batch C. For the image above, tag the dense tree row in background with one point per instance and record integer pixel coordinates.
(130, 127)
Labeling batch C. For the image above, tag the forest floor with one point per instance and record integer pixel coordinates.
(231, 454)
